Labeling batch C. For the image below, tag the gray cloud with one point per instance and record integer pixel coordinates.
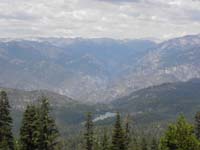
(99, 18)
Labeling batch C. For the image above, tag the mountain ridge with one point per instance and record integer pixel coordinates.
(76, 69)
(97, 70)
(162, 102)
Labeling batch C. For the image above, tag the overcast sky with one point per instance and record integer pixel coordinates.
(159, 19)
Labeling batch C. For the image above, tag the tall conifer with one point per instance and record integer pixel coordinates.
(127, 133)
(154, 144)
(48, 133)
(144, 145)
(29, 132)
(89, 133)
(6, 136)
(197, 125)
(118, 138)
(105, 141)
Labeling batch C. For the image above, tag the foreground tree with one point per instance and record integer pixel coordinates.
(89, 133)
(38, 130)
(144, 145)
(29, 132)
(154, 144)
(197, 125)
(118, 138)
(6, 136)
(48, 133)
(180, 136)
(127, 137)
(97, 142)
(105, 141)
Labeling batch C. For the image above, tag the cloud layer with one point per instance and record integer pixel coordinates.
(159, 19)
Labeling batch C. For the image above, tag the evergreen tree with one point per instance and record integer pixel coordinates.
(197, 125)
(48, 133)
(135, 144)
(89, 133)
(180, 136)
(154, 144)
(144, 145)
(105, 141)
(127, 133)
(97, 143)
(17, 145)
(29, 132)
(6, 136)
(118, 138)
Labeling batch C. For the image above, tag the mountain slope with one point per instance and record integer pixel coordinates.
(155, 104)
(68, 113)
(80, 68)
(171, 61)
(162, 102)
(97, 70)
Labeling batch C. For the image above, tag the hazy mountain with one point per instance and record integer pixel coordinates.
(97, 70)
(79, 68)
(171, 61)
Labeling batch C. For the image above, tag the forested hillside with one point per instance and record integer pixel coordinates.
(38, 131)
(153, 105)
(69, 113)
(163, 102)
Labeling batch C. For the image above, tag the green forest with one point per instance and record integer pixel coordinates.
(38, 131)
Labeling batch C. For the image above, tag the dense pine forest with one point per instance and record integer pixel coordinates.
(39, 131)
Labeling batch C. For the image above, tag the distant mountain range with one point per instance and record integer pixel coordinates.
(171, 61)
(80, 68)
(97, 70)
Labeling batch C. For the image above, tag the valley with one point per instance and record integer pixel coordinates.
(162, 103)
(97, 70)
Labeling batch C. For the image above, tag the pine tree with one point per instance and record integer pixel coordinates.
(29, 132)
(135, 144)
(97, 143)
(180, 136)
(48, 133)
(154, 144)
(17, 145)
(6, 136)
(118, 138)
(197, 125)
(105, 141)
(127, 133)
(134, 139)
(89, 135)
(144, 145)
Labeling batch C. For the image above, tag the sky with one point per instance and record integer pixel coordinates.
(118, 19)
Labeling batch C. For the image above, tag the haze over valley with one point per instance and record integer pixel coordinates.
(97, 70)
(99, 75)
